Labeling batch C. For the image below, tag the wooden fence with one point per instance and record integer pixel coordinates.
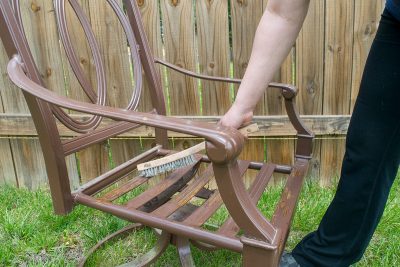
(212, 37)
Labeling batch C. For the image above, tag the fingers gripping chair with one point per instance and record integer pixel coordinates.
(260, 241)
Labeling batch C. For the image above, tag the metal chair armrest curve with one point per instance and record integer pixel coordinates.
(226, 143)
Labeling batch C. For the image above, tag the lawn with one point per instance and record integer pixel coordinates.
(30, 235)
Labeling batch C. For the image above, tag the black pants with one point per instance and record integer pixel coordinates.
(370, 163)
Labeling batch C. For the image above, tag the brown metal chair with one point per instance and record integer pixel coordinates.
(164, 206)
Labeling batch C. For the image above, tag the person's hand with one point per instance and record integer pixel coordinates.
(236, 117)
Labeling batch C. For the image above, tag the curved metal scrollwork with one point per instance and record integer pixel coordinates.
(137, 70)
(98, 97)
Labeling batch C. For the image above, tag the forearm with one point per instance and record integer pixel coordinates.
(275, 35)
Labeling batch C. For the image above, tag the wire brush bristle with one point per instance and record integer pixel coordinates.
(180, 163)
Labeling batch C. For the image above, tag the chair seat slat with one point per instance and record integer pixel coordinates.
(185, 195)
(164, 189)
(123, 189)
(205, 211)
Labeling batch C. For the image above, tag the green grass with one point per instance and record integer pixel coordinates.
(30, 235)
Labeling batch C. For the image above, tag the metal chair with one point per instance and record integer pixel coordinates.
(166, 205)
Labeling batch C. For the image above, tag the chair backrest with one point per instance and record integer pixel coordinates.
(45, 115)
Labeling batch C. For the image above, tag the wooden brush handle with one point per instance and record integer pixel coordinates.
(190, 151)
(184, 153)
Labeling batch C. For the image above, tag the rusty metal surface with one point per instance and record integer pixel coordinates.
(166, 205)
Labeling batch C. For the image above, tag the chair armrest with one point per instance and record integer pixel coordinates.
(224, 143)
(288, 90)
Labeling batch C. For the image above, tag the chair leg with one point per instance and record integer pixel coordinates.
(185, 254)
(257, 257)
(144, 260)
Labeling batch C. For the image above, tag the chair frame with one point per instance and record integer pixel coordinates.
(262, 241)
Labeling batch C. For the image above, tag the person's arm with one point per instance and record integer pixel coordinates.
(275, 36)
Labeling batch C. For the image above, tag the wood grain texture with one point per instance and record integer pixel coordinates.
(315, 163)
(366, 20)
(178, 24)
(274, 102)
(94, 160)
(213, 46)
(90, 167)
(280, 151)
(253, 150)
(114, 50)
(310, 72)
(332, 152)
(73, 174)
(7, 171)
(339, 36)
(83, 52)
(245, 16)
(42, 34)
(29, 163)
(338, 56)
(27, 155)
(22, 125)
(123, 150)
(310, 61)
(151, 22)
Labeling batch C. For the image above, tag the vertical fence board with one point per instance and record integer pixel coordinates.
(29, 163)
(310, 72)
(280, 151)
(151, 22)
(337, 78)
(94, 160)
(245, 17)
(27, 156)
(178, 22)
(213, 46)
(123, 150)
(332, 152)
(253, 150)
(73, 171)
(39, 25)
(367, 15)
(274, 101)
(45, 48)
(338, 56)
(7, 171)
(315, 163)
(114, 50)
(286, 74)
(310, 61)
